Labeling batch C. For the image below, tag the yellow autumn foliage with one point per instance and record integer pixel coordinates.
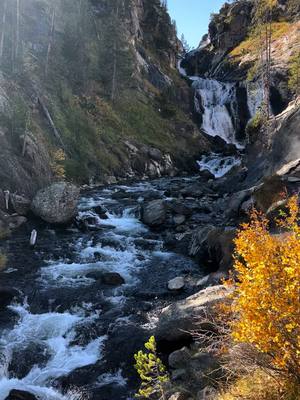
(57, 165)
(267, 298)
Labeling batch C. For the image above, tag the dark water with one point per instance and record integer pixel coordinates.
(68, 335)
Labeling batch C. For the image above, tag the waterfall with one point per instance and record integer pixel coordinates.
(216, 101)
(218, 165)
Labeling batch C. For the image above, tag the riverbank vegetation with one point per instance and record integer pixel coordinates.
(256, 334)
(265, 308)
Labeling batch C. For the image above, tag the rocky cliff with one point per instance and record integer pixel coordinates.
(234, 51)
(89, 91)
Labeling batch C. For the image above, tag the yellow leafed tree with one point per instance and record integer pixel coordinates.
(267, 298)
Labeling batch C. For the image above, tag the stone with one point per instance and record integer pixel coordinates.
(208, 393)
(176, 284)
(96, 275)
(269, 193)
(154, 213)
(20, 395)
(213, 244)
(7, 295)
(101, 211)
(15, 221)
(246, 206)
(179, 219)
(180, 396)
(57, 203)
(20, 204)
(179, 358)
(179, 319)
(113, 279)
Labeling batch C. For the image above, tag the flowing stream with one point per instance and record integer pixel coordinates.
(68, 336)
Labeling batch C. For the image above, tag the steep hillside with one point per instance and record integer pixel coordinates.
(90, 90)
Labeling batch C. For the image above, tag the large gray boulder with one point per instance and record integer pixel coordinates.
(178, 320)
(57, 203)
(154, 213)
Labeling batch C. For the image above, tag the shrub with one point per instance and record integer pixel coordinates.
(151, 371)
(267, 297)
(57, 164)
(294, 72)
(260, 385)
(254, 126)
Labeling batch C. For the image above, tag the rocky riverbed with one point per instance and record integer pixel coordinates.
(86, 298)
(139, 259)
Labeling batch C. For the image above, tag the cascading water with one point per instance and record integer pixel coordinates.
(216, 100)
(68, 335)
(218, 165)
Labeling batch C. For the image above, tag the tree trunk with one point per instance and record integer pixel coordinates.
(17, 31)
(3, 30)
(115, 62)
(50, 42)
(26, 134)
(51, 123)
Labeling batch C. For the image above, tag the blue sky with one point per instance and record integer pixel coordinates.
(192, 17)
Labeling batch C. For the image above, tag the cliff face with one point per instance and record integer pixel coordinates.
(89, 89)
(234, 54)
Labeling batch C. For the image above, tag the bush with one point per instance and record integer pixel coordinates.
(254, 126)
(151, 371)
(267, 297)
(294, 73)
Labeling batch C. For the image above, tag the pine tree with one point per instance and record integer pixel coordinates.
(186, 46)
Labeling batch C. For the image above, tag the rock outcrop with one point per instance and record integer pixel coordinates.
(180, 319)
(154, 213)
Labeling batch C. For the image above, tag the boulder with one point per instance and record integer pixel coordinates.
(178, 320)
(20, 204)
(179, 219)
(213, 247)
(176, 284)
(235, 202)
(180, 396)
(101, 212)
(7, 295)
(270, 192)
(56, 204)
(154, 213)
(96, 275)
(179, 358)
(112, 279)
(20, 395)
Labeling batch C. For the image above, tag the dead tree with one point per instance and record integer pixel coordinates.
(51, 123)
(115, 59)
(50, 42)
(3, 30)
(17, 31)
(26, 133)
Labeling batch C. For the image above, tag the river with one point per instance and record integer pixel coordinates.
(68, 335)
